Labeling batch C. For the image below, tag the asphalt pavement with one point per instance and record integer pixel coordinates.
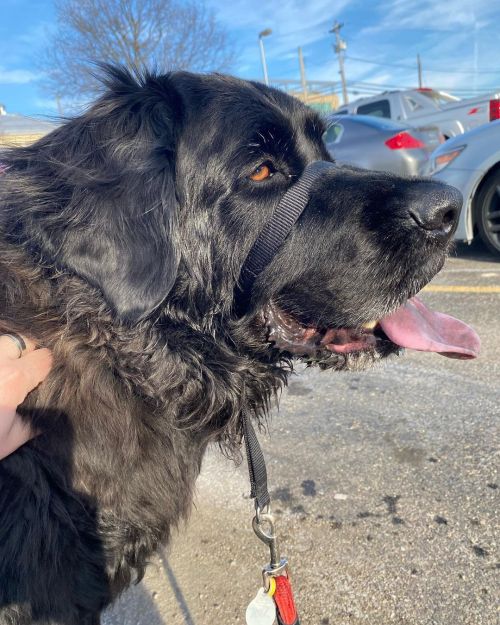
(385, 486)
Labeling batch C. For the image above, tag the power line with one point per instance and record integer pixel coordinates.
(412, 67)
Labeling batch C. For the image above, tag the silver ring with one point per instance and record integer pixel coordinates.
(18, 340)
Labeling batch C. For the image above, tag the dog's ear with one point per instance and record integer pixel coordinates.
(122, 214)
(128, 250)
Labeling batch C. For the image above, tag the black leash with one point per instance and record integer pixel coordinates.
(256, 465)
(275, 598)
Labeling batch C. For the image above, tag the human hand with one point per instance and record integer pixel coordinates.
(18, 376)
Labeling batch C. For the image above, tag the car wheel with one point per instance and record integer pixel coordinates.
(487, 213)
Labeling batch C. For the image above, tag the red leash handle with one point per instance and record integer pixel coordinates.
(285, 604)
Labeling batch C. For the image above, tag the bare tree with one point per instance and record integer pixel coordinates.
(166, 34)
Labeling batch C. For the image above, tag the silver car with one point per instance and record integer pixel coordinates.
(471, 162)
(380, 144)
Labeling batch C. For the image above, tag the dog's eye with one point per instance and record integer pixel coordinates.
(263, 171)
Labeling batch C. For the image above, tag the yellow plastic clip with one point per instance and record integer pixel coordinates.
(272, 587)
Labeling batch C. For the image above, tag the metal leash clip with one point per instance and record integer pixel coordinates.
(275, 576)
(277, 565)
(274, 600)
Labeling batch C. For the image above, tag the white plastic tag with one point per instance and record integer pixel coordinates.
(261, 610)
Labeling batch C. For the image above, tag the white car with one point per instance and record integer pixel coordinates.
(471, 163)
(428, 107)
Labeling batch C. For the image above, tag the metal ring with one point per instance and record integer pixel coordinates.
(260, 511)
(19, 342)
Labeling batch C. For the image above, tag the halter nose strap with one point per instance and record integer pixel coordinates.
(276, 230)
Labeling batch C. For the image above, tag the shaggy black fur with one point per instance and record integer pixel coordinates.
(122, 235)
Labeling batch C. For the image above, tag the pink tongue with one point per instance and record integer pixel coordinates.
(417, 327)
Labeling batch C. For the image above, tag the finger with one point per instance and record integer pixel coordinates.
(35, 366)
(9, 349)
(19, 377)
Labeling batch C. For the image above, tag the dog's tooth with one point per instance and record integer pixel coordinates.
(369, 325)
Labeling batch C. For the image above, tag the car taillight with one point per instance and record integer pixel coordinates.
(404, 141)
(494, 110)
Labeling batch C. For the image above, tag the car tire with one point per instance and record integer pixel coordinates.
(487, 212)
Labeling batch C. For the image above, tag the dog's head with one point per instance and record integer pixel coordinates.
(158, 192)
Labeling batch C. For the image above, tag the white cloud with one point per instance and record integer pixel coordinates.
(293, 22)
(17, 76)
(287, 16)
(49, 105)
(432, 15)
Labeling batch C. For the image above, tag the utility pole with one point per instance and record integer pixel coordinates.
(262, 34)
(59, 106)
(419, 65)
(303, 74)
(340, 48)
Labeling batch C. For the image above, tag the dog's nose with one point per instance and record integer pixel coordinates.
(435, 207)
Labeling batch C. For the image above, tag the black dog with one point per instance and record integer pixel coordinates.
(122, 236)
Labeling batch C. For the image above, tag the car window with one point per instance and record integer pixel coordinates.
(413, 105)
(341, 112)
(380, 108)
(333, 133)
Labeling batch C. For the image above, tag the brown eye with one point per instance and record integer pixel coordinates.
(261, 173)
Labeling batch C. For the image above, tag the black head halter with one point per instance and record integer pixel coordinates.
(276, 230)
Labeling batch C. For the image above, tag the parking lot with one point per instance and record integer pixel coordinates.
(385, 487)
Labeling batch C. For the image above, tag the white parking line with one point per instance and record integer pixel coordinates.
(492, 271)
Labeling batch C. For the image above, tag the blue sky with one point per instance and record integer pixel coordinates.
(457, 39)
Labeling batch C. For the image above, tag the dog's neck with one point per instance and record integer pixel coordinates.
(169, 364)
